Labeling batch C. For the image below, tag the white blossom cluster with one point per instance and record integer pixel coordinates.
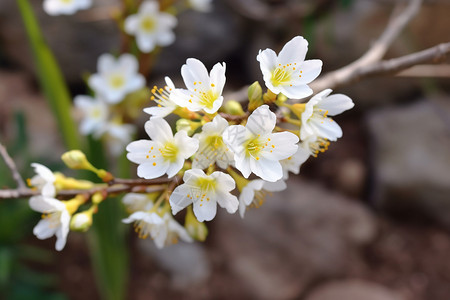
(219, 158)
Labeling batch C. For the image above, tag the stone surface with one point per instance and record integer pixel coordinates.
(353, 290)
(411, 159)
(300, 235)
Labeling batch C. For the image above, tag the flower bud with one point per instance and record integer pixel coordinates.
(81, 221)
(75, 159)
(189, 126)
(233, 107)
(254, 96)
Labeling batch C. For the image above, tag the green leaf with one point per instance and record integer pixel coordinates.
(50, 76)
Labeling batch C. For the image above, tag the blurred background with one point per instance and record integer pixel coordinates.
(368, 219)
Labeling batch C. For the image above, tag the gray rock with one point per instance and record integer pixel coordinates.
(298, 236)
(412, 159)
(353, 290)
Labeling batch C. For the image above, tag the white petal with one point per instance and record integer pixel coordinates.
(158, 130)
(186, 98)
(261, 121)
(145, 42)
(218, 77)
(187, 145)
(44, 172)
(276, 186)
(310, 70)
(336, 104)
(295, 91)
(267, 62)
(215, 107)
(268, 170)
(174, 167)
(131, 24)
(281, 146)
(43, 230)
(294, 51)
(106, 62)
(44, 204)
(127, 64)
(150, 171)
(243, 165)
(63, 231)
(227, 201)
(206, 210)
(178, 199)
(149, 7)
(194, 71)
(157, 111)
(224, 181)
(135, 82)
(326, 128)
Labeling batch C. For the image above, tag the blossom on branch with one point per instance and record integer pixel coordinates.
(116, 77)
(164, 154)
(151, 27)
(289, 72)
(315, 119)
(161, 96)
(256, 149)
(44, 180)
(204, 192)
(212, 149)
(204, 91)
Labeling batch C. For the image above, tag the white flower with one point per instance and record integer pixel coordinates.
(289, 73)
(165, 153)
(55, 219)
(95, 113)
(116, 78)
(204, 192)
(255, 192)
(294, 162)
(258, 150)
(65, 7)
(117, 136)
(314, 118)
(163, 230)
(137, 202)
(212, 149)
(204, 91)
(151, 27)
(44, 180)
(162, 97)
(201, 5)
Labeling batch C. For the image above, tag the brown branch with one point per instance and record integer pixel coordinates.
(392, 66)
(12, 167)
(376, 52)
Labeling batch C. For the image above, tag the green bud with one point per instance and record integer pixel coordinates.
(81, 221)
(233, 107)
(254, 96)
(75, 159)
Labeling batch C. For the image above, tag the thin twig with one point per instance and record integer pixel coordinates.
(12, 167)
(374, 54)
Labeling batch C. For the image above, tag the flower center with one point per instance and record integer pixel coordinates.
(206, 184)
(52, 217)
(161, 95)
(214, 141)
(148, 24)
(253, 147)
(319, 145)
(142, 228)
(169, 151)
(116, 81)
(207, 98)
(66, 1)
(281, 76)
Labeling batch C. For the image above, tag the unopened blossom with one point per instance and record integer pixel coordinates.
(164, 154)
(44, 180)
(55, 218)
(201, 5)
(161, 96)
(163, 230)
(315, 119)
(289, 72)
(204, 192)
(65, 7)
(212, 149)
(256, 149)
(255, 192)
(116, 77)
(151, 27)
(204, 91)
(294, 162)
(95, 113)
